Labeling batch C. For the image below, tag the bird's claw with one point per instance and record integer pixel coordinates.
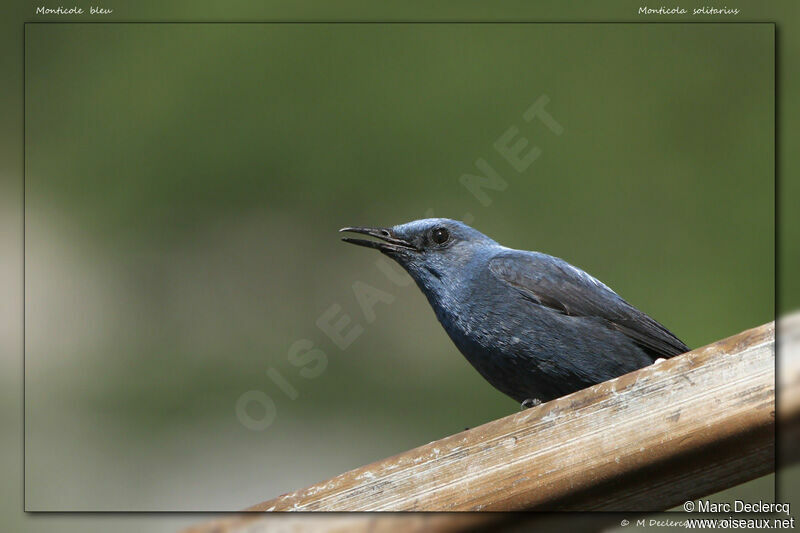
(530, 402)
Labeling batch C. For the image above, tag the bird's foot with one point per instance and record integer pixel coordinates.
(659, 360)
(530, 402)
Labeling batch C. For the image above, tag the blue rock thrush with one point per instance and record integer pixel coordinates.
(533, 325)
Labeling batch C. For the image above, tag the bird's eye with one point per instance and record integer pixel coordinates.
(440, 235)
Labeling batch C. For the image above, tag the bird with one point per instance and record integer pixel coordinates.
(534, 326)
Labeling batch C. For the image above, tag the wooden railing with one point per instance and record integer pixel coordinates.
(646, 441)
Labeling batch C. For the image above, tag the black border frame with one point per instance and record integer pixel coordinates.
(511, 515)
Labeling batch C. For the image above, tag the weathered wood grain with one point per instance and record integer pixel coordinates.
(646, 441)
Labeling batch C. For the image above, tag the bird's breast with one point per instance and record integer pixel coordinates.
(474, 320)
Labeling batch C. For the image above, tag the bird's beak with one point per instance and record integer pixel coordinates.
(389, 242)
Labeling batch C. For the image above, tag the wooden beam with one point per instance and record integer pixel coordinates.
(646, 441)
(789, 389)
(409, 523)
(651, 439)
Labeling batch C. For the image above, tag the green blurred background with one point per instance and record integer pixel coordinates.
(184, 464)
(184, 185)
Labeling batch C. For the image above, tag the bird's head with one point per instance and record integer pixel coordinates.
(433, 250)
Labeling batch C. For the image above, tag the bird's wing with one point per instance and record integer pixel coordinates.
(555, 284)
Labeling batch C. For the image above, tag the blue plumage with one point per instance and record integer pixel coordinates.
(533, 325)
